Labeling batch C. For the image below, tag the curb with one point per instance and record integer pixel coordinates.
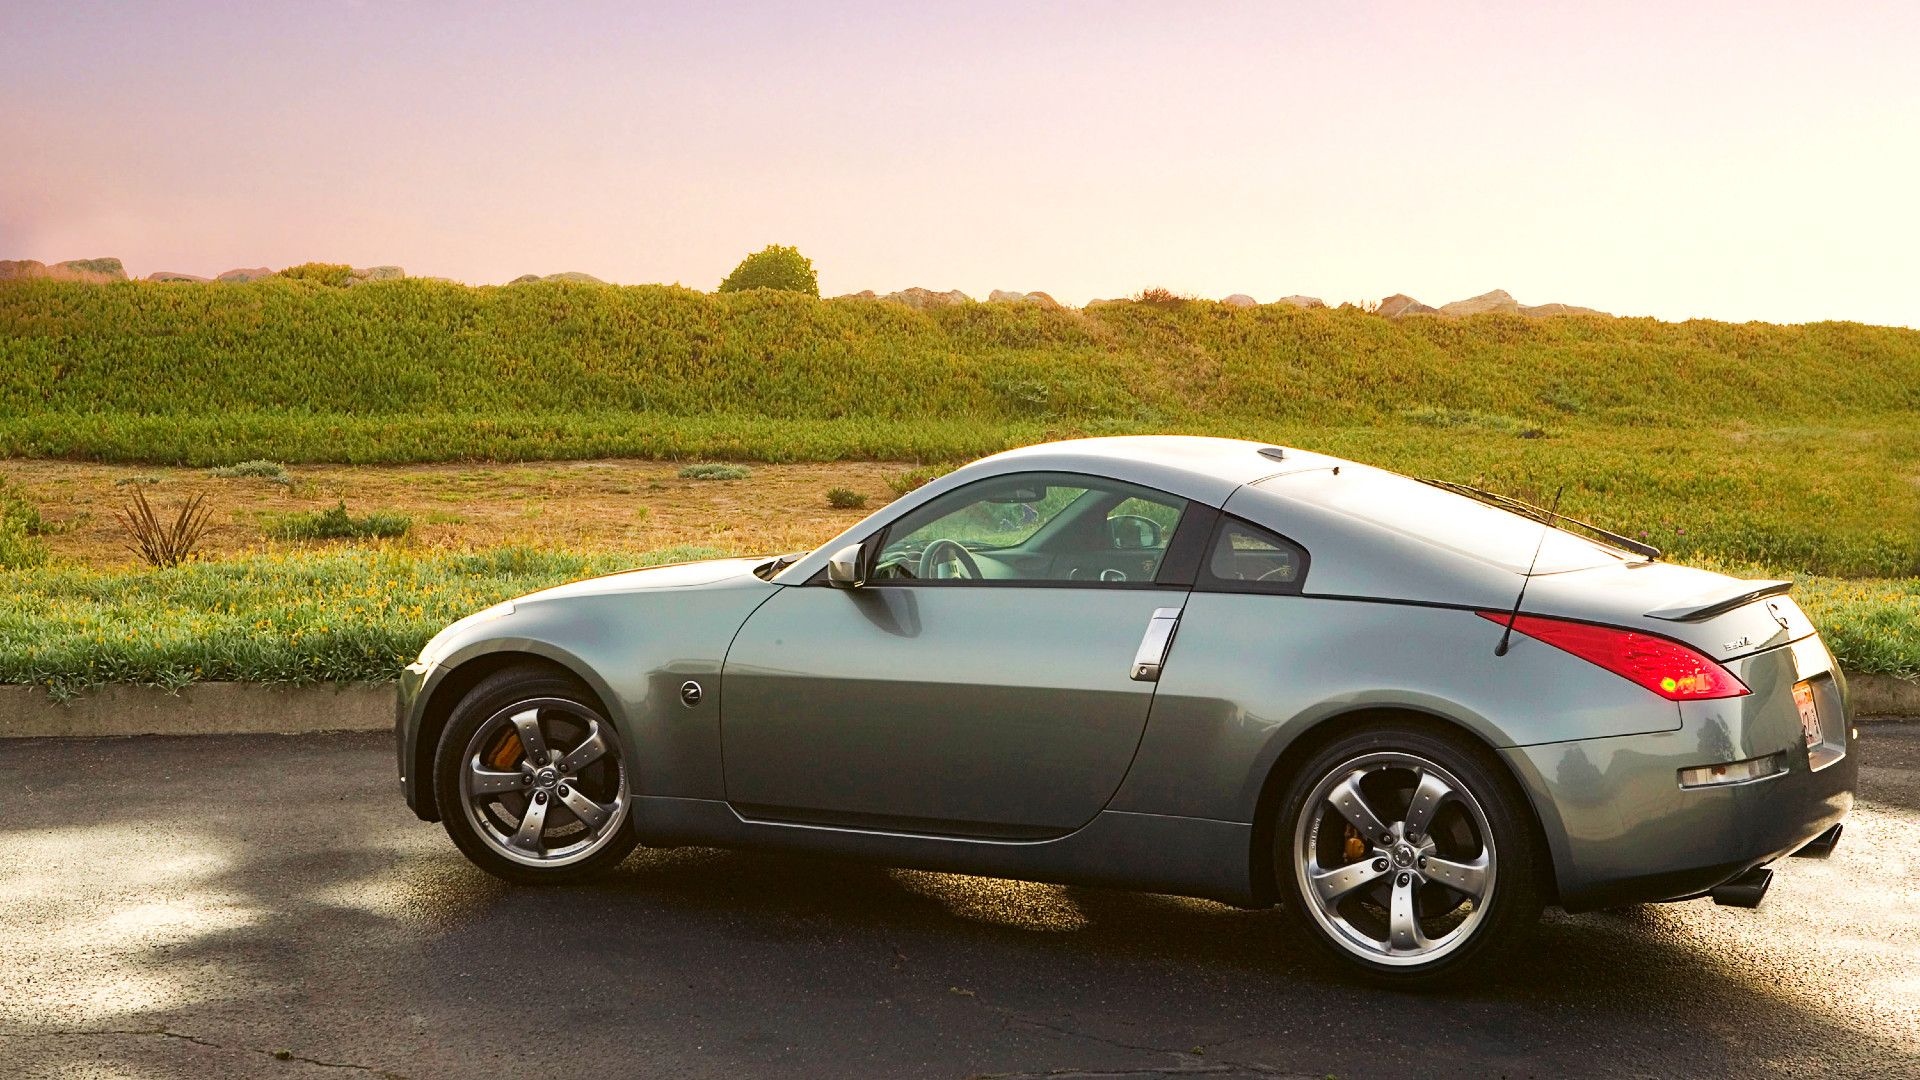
(226, 708)
(1884, 697)
(213, 708)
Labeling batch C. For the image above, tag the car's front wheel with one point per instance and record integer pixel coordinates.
(1407, 853)
(532, 780)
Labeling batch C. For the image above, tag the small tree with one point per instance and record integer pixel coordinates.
(774, 267)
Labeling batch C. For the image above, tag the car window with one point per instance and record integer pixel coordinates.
(1032, 527)
(1247, 558)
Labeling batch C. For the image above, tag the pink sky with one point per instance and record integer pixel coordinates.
(1736, 161)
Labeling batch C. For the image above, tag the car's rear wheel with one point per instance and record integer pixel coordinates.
(532, 780)
(1407, 853)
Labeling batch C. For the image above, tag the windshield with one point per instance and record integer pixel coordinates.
(1457, 522)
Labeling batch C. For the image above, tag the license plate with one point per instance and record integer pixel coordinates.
(1809, 713)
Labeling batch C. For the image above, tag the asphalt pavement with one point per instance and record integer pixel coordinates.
(265, 906)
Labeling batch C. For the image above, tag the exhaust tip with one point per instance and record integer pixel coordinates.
(1745, 891)
(1820, 846)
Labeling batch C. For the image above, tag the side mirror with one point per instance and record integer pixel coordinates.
(843, 568)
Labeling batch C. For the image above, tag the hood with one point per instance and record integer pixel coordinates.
(671, 576)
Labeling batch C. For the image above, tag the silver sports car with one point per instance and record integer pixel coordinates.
(1411, 712)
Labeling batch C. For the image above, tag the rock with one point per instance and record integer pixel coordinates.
(239, 277)
(1091, 304)
(863, 294)
(94, 269)
(362, 275)
(565, 275)
(1006, 296)
(1302, 301)
(921, 299)
(169, 275)
(1401, 304)
(1496, 302)
(1240, 299)
(1541, 311)
(91, 270)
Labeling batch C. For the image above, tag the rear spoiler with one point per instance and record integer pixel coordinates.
(1709, 604)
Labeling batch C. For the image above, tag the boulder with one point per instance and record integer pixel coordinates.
(1007, 296)
(362, 275)
(169, 275)
(1302, 301)
(1496, 302)
(863, 294)
(92, 270)
(564, 275)
(1240, 299)
(238, 277)
(1541, 311)
(922, 299)
(1401, 304)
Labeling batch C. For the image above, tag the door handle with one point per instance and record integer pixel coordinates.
(1153, 647)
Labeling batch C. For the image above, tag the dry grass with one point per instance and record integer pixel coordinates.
(585, 505)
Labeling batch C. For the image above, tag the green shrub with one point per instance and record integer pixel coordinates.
(266, 470)
(845, 499)
(337, 524)
(774, 267)
(917, 478)
(337, 274)
(18, 510)
(715, 472)
(18, 549)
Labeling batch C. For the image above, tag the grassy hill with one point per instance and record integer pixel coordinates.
(1794, 446)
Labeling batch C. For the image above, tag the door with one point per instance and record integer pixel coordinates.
(982, 683)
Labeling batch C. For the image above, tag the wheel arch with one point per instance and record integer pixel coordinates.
(445, 695)
(1308, 741)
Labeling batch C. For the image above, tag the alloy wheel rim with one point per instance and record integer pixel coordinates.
(543, 783)
(1394, 858)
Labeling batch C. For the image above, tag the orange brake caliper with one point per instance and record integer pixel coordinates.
(507, 751)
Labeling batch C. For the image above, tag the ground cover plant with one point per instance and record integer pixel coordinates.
(1791, 444)
(350, 616)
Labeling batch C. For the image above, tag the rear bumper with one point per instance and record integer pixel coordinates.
(1621, 828)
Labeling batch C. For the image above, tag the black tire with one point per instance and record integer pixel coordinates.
(1376, 759)
(494, 698)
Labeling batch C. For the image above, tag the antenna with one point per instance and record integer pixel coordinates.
(1506, 636)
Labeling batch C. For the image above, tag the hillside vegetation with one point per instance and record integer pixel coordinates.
(1792, 446)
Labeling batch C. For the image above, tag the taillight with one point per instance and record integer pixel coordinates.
(1674, 671)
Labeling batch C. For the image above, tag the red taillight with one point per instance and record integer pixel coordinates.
(1672, 670)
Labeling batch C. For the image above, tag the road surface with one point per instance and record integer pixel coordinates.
(261, 906)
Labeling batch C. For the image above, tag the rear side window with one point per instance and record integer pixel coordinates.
(1247, 558)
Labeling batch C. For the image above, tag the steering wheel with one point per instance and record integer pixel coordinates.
(941, 552)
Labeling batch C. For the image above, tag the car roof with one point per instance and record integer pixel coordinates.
(1192, 466)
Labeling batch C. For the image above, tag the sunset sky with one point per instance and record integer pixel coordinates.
(1729, 160)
